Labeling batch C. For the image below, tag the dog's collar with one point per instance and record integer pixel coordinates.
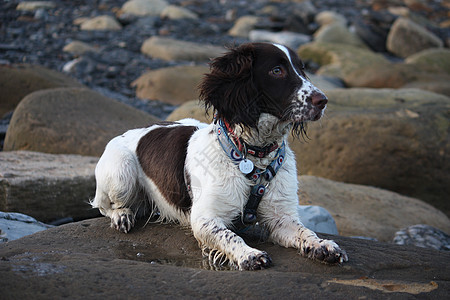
(261, 178)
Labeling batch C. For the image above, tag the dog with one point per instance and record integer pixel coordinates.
(230, 174)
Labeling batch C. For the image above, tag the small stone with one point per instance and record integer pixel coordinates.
(144, 7)
(78, 48)
(292, 40)
(174, 12)
(101, 23)
(330, 17)
(243, 26)
(34, 5)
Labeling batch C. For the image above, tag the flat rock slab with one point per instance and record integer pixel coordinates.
(47, 186)
(89, 259)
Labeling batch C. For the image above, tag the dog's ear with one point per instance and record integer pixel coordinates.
(229, 87)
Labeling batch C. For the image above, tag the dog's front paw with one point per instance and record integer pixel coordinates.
(326, 251)
(255, 261)
(122, 219)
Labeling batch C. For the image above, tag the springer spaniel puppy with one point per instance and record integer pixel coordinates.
(230, 174)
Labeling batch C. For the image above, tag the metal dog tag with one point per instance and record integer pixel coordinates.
(246, 166)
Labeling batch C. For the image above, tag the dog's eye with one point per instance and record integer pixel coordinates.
(277, 72)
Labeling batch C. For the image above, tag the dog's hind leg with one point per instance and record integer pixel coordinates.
(117, 175)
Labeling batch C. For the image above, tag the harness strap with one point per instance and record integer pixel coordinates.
(258, 190)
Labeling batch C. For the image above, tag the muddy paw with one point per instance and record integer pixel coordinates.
(122, 220)
(256, 261)
(326, 251)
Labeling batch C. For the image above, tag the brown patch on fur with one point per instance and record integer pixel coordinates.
(162, 154)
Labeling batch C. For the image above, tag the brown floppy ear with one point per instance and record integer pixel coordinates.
(229, 87)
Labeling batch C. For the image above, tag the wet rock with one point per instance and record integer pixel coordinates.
(175, 12)
(159, 84)
(35, 5)
(292, 40)
(243, 26)
(101, 23)
(144, 7)
(17, 81)
(406, 38)
(13, 226)
(177, 50)
(70, 121)
(79, 48)
(423, 236)
(51, 259)
(368, 211)
(47, 186)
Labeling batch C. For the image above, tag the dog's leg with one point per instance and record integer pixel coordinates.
(288, 231)
(116, 176)
(223, 244)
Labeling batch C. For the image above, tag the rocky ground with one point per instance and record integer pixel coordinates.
(384, 64)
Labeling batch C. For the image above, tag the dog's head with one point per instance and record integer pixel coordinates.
(258, 78)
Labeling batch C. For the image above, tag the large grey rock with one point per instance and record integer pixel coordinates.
(406, 38)
(47, 186)
(13, 226)
(88, 259)
(70, 121)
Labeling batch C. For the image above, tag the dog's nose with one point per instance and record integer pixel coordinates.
(319, 100)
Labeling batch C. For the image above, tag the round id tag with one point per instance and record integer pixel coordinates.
(246, 166)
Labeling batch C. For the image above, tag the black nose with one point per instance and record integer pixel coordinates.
(319, 100)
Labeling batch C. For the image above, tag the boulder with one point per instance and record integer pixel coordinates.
(290, 39)
(243, 26)
(339, 60)
(368, 211)
(339, 34)
(174, 12)
(35, 5)
(13, 226)
(393, 139)
(144, 7)
(159, 84)
(101, 23)
(79, 48)
(317, 218)
(434, 59)
(406, 38)
(359, 67)
(17, 81)
(176, 50)
(70, 121)
(164, 261)
(47, 187)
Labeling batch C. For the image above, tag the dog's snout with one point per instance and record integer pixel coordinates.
(319, 100)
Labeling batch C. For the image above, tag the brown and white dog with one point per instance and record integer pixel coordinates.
(204, 175)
